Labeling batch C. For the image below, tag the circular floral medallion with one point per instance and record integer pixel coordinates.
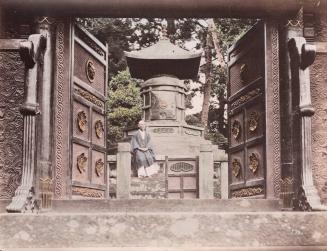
(90, 70)
(244, 73)
(99, 167)
(253, 121)
(254, 162)
(81, 162)
(99, 129)
(236, 129)
(236, 167)
(81, 121)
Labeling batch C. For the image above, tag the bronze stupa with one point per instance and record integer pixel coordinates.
(164, 66)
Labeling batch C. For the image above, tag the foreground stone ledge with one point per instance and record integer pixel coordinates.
(164, 230)
(282, 248)
(162, 205)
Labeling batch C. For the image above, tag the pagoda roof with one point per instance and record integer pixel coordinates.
(163, 49)
(163, 58)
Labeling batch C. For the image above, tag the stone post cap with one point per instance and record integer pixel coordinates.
(124, 147)
(220, 155)
(205, 148)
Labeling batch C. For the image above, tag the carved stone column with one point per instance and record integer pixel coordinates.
(30, 51)
(302, 56)
(288, 101)
(45, 26)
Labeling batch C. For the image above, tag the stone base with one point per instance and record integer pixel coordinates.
(165, 230)
(281, 248)
(153, 187)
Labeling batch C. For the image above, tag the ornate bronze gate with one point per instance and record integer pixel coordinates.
(88, 109)
(253, 111)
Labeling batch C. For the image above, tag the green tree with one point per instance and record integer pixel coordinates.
(124, 105)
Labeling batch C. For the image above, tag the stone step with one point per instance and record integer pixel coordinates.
(168, 231)
(165, 205)
(161, 205)
(281, 248)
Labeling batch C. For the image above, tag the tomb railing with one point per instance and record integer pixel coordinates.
(180, 176)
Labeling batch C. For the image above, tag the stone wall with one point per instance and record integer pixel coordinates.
(11, 98)
(152, 187)
(11, 122)
(319, 120)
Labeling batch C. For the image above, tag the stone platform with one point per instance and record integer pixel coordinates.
(168, 225)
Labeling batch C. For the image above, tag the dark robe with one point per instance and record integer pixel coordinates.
(142, 158)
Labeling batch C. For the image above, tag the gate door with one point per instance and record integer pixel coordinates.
(248, 117)
(88, 109)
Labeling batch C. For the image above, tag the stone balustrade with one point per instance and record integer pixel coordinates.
(211, 175)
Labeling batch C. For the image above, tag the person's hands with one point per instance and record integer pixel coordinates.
(143, 149)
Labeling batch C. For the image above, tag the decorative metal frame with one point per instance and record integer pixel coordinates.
(236, 129)
(81, 121)
(244, 73)
(181, 167)
(99, 129)
(236, 168)
(99, 167)
(254, 162)
(81, 162)
(253, 121)
(90, 70)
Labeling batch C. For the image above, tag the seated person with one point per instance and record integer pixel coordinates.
(144, 158)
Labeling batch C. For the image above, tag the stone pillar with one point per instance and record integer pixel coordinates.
(318, 94)
(24, 195)
(302, 56)
(45, 128)
(224, 180)
(206, 172)
(123, 171)
(290, 159)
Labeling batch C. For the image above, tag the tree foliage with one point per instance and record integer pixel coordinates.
(124, 105)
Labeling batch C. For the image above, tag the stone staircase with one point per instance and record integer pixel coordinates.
(165, 225)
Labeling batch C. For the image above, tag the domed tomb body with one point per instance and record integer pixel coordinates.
(163, 66)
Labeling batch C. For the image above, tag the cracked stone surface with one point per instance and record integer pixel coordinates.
(141, 229)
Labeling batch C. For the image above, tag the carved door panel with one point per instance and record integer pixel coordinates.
(88, 109)
(246, 115)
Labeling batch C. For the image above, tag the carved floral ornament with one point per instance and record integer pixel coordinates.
(246, 192)
(244, 73)
(236, 168)
(90, 70)
(99, 167)
(254, 162)
(99, 129)
(236, 129)
(253, 121)
(81, 163)
(181, 167)
(81, 121)
(87, 192)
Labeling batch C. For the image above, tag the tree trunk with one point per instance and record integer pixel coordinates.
(214, 35)
(221, 96)
(208, 81)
